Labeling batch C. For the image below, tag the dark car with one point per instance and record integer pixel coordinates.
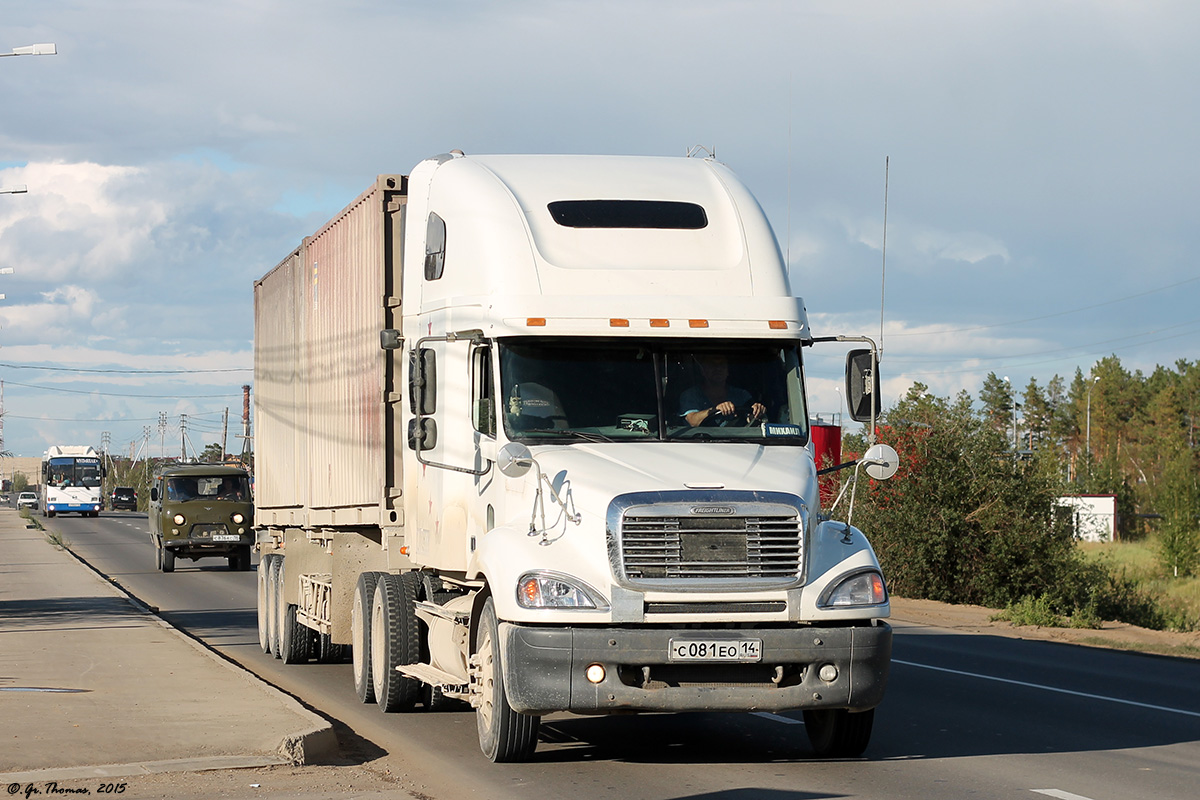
(123, 497)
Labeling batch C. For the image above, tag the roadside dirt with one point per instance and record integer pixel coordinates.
(977, 619)
(363, 773)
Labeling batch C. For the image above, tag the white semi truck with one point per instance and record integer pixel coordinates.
(531, 435)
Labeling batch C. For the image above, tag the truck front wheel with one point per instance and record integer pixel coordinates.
(504, 735)
(837, 733)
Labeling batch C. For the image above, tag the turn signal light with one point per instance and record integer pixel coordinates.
(536, 322)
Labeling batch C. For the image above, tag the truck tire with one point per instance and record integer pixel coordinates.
(274, 581)
(837, 733)
(245, 557)
(264, 612)
(326, 651)
(360, 635)
(395, 641)
(293, 637)
(504, 735)
(167, 562)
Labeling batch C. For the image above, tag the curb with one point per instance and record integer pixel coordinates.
(306, 746)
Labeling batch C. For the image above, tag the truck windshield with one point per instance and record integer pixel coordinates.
(680, 390)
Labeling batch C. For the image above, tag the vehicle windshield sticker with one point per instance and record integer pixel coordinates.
(777, 429)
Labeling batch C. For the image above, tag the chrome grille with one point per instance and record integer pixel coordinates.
(699, 548)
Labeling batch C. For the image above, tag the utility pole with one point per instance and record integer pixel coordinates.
(162, 434)
(183, 437)
(245, 422)
(224, 433)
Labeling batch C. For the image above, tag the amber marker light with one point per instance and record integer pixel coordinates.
(660, 323)
(777, 325)
(535, 322)
(618, 323)
(530, 592)
(697, 323)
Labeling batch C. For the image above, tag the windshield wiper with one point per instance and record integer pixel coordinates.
(562, 432)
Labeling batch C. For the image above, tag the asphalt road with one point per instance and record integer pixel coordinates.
(965, 715)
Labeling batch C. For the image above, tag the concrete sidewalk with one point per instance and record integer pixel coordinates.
(92, 685)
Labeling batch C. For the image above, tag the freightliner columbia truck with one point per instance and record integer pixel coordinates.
(531, 435)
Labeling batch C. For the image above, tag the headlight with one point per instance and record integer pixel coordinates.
(238, 519)
(178, 519)
(552, 590)
(863, 589)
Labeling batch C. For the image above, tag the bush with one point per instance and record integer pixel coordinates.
(1030, 610)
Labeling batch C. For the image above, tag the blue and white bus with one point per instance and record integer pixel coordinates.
(71, 479)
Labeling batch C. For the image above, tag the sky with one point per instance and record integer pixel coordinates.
(1039, 160)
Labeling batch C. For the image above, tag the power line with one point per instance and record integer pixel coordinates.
(122, 394)
(1049, 316)
(128, 371)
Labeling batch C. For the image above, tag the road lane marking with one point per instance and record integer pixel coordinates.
(1050, 689)
(1060, 794)
(777, 718)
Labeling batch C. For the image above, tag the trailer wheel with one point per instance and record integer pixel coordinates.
(837, 733)
(360, 635)
(293, 637)
(395, 641)
(504, 735)
(327, 651)
(274, 595)
(264, 612)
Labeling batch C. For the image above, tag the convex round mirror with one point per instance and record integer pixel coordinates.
(514, 460)
(880, 461)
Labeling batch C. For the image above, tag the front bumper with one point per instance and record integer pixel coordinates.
(203, 546)
(544, 669)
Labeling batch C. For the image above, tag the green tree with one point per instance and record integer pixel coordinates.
(1178, 502)
(212, 453)
(20, 482)
(963, 522)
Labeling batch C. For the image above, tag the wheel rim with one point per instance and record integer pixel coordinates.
(357, 639)
(487, 678)
(378, 653)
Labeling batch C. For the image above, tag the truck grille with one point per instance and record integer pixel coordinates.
(702, 548)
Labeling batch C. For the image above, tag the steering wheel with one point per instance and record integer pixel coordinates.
(740, 418)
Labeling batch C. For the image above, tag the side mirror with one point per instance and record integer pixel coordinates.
(153, 494)
(880, 461)
(422, 434)
(422, 382)
(862, 385)
(514, 460)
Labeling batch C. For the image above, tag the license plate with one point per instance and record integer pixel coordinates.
(225, 537)
(741, 650)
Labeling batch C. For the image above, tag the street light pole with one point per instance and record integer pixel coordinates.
(43, 49)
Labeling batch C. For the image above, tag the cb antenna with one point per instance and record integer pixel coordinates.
(883, 268)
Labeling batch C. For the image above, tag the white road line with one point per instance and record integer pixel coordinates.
(1060, 794)
(1051, 689)
(777, 718)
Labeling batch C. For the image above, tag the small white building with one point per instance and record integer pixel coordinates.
(1093, 516)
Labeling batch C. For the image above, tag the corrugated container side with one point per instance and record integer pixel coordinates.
(279, 387)
(344, 364)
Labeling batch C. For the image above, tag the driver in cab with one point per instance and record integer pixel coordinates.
(714, 401)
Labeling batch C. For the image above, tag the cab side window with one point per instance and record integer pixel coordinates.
(435, 247)
(483, 404)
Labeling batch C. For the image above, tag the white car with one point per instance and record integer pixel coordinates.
(27, 500)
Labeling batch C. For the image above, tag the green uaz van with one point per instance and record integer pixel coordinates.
(201, 511)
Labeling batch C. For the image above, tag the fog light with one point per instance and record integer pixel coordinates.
(595, 673)
(828, 673)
